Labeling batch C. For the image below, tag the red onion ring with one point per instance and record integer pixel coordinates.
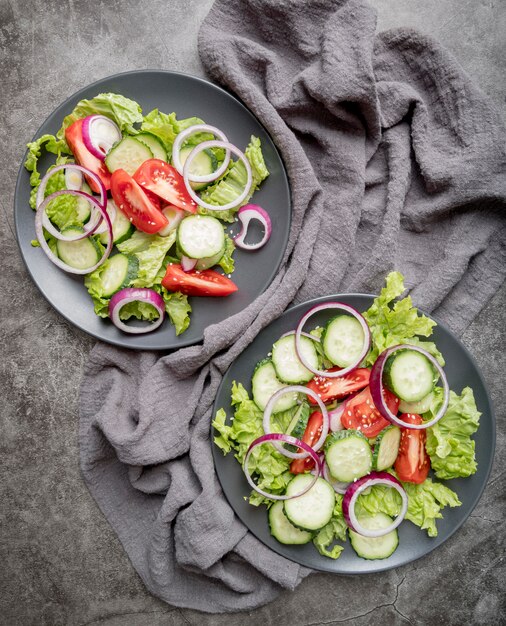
(268, 412)
(132, 294)
(376, 385)
(359, 486)
(178, 142)
(188, 264)
(89, 228)
(275, 437)
(335, 417)
(96, 143)
(111, 210)
(337, 485)
(41, 211)
(84, 170)
(227, 146)
(246, 214)
(342, 307)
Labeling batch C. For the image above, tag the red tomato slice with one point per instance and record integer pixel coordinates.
(165, 181)
(360, 413)
(413, 463)
(310, 436)
(133, 202)
(74, 138)
(330, 389)
(195, 283)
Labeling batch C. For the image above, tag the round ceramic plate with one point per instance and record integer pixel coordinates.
(414, 543)
(187, 96)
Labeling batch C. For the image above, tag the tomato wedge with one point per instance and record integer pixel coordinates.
(74, 138)
(412, 464)
(310, 436)
(195, 283)
(335, 388)
(166, 182)
(133, 202)
(360, 413)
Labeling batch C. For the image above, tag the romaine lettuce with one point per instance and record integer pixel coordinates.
(333, 531)
(177, 308)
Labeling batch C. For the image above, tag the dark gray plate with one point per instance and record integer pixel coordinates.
(414, 543)
(187, 96)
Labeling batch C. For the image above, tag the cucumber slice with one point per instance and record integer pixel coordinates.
(122, 229)
(312, 510)
(209, 261)
(116, 273)
(283, 530)
(348, 455)
(264, 383)
(83, 209)
(420, 407)
(409, 375)
(154, 145)
(386, 448)
(288, 367)
(128, 155)
(200, 236)
(297, 426)
(343, 340)
(204, 163)
(373, 548)
(80, 254)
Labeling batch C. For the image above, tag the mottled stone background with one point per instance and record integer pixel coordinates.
(60, 562)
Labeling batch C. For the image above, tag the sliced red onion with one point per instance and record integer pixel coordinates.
(178, 143)
(335, 417)
(337, 485)
(100, 133)
(188, 264)
(41, 211)
(174, 217)
(246, 214)
(342, 307)
(274, 438)
(227, 146)
(111, 210)
(133, 294)
(376, 385)
(71, 166)
(358, 487)
(268, 411)
(89, 228)
(74, 179)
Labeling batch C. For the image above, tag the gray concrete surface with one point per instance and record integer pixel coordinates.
(60, 563)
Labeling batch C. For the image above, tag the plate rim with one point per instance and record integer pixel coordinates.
(181, 342)
(216, 452)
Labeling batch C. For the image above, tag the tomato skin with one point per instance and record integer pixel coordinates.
(133, 202)
(166, 182)
(360, 412)
(197, 283)
(330, 389)
(412, 464)
(310, 436)
(74, 138)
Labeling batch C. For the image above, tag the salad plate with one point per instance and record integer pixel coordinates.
(187, 96)
(461, 371)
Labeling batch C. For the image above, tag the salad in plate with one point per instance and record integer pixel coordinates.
(140, 205)
(349, 427)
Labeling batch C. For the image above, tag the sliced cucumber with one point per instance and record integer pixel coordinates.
(312, 510)
(79, 254)
(409, 375)
(83, 206)
(420, 407)
(154, 145)
(386, 448)
(348, 455)
(128, 155)
(264, 383)
(204, 163)
(297, 426)
(200, 236)
(283, 530)
(288, 367)
(207, 262)
(122, 228)
(373, 548)
(343, 340)
(116, 273)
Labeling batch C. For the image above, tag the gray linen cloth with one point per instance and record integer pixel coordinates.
(396, 160)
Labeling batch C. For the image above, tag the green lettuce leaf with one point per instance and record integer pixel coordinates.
(165, 127)
(425, 502)
(151, 259)
(449, 442)
(138, 242)
(139, 310)
(178, 309)
(335, 530)
(62, 211)
(123, 111)
(51, 144)
(232, 183)
(395, 323)
(227, 262)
